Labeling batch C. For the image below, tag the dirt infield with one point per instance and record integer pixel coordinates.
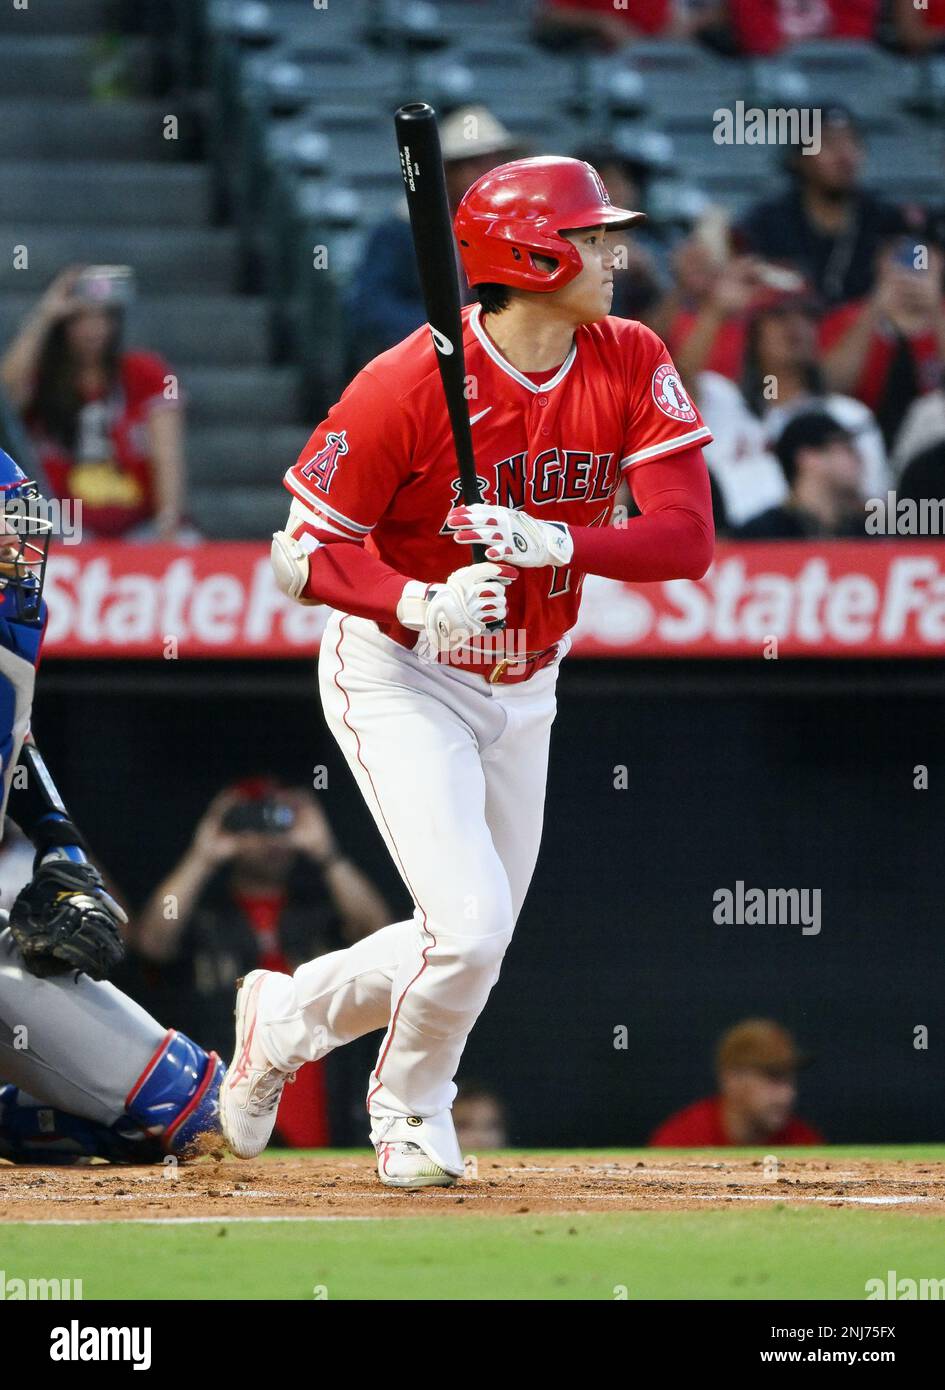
(345, 1187)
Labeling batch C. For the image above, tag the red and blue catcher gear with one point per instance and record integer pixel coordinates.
(172, 1105)
(24, 545)
(177, 1096)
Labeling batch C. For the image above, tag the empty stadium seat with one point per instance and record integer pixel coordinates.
(867, 79)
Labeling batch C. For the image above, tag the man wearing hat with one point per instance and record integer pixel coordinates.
(386, 303)
(756, 1064)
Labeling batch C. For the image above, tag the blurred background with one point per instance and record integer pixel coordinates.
(203, 238)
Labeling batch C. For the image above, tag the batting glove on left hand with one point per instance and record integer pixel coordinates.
(511, 536)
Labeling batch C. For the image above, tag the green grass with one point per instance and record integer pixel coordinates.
(741, 1251)
(777, 1252)
(918, 1153)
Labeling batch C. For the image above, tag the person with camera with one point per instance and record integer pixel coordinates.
(105, 421)
(263, 884)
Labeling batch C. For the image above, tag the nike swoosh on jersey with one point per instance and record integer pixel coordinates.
(474, 418)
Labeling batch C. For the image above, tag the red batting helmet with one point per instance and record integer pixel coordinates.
(519, 210)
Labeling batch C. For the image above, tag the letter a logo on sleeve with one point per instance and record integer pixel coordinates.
(670, 395)
(321, 466)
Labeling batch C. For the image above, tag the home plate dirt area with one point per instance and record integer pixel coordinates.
(346, 1186)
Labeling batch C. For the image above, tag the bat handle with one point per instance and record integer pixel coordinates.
(479, 556)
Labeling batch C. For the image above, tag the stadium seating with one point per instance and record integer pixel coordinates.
(302, 162)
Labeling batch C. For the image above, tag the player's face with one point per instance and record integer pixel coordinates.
(21, 522)
(9, 546)
(587, 298)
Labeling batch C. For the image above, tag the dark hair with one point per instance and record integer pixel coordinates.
(493, 298)
(832, 114)
(56, 402)
(811, 429)
(753, 380)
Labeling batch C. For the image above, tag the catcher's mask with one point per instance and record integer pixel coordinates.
(25, 528)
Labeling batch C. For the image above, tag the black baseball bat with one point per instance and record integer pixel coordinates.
(421, 163)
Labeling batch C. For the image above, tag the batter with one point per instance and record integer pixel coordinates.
(444, 723)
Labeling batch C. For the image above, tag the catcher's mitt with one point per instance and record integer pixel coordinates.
(64, 920)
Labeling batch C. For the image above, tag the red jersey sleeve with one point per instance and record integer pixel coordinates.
(355, 460)
(661, 418)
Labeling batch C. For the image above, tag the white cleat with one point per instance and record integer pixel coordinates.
(252, 1086)
(403, 1160)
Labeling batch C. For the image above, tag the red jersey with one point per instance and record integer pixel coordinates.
(110, 467)
(880, 353)
(727, 354)
(647, 16)
(699, 1126)
(765, 26)
(381, 468)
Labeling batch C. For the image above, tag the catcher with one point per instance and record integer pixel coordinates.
(84, 1071)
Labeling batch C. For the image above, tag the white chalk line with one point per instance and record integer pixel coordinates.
(223, 1220)
(885, 1200)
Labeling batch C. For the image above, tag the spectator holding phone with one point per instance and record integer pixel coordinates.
(263, 884)
(106, 421)
(888, 349)
(827, 225)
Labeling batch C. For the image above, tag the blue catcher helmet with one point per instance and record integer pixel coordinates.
(25, 528)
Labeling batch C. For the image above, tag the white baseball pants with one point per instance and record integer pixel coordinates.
(453, 770)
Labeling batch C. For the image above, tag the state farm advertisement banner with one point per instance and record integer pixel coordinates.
(870, 598)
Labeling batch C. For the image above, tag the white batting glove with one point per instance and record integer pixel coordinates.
(515, 537)
(459, 609)
(290, 566)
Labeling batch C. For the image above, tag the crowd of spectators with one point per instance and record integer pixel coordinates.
(824, 297)
(823, 300)
(752, 28)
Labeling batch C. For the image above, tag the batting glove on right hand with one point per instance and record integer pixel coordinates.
(462, 608)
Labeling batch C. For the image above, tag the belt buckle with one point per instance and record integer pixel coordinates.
(498, 671)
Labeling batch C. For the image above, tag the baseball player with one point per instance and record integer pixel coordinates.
(84, 1072)
(445, 723)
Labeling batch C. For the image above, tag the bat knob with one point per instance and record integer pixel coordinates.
(415, 111)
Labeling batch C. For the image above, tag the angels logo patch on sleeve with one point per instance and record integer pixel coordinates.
(320, 468)
(670, 394)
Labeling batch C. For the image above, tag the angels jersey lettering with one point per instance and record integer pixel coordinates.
(381, 468)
